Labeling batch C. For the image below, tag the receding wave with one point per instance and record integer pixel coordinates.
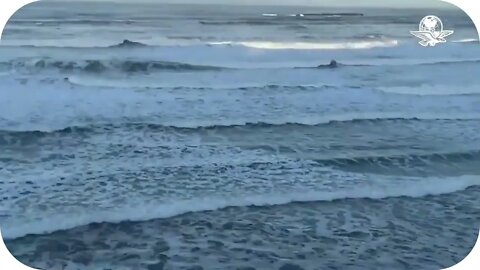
(98, 66)
(421, 187)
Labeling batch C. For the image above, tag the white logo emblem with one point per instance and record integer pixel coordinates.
(430, 31)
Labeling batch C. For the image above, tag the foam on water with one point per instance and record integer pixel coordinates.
(147, 211)
(48, 107)
(241, 109)
(309, 121)
(312, 46)
(256, 54)
(466, 40)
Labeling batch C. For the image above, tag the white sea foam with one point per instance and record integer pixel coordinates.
(253, 54)
(466, 40)
(59, 105)
(149, 211)
(312, 46)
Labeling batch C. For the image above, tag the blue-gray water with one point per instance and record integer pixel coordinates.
(218, 137)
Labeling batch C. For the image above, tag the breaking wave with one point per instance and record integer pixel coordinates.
(98, 66)
(346, 119)
(150, 211)
(133, 66)
(311, 45)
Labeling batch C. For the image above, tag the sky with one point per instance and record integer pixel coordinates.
(333, 3)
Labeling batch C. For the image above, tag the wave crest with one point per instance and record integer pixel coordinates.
(268, 45)
(99, 66)
(150, 211)
(227, 124)
(401, 160)
(128, 44)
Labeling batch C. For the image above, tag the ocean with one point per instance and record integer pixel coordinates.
(149, 136)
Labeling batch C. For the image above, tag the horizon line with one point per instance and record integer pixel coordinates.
(443, 6)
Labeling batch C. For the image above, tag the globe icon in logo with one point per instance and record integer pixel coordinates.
(432, 24)
(430, 31)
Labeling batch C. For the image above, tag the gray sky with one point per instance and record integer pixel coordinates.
(341, 3)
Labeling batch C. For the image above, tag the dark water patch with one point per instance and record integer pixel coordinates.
(128, 44)
(99, 66)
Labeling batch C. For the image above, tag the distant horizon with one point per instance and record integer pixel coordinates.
(394, 4)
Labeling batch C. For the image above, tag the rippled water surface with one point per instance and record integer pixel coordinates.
(212, 137)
